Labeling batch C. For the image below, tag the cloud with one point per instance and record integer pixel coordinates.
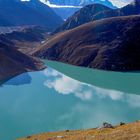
(133, 100)
(120, 3)
(66, 85)
(59, 6)
(113, 94)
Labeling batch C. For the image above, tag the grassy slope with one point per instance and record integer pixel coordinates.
(124, 132)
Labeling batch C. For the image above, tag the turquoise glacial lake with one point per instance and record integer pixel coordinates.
(65, 97)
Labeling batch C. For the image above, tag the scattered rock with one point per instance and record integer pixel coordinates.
(60, 136)
(28, 137)
(107, 125)
(36, 138)
(122, 123)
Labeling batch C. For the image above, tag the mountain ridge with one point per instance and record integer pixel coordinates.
(14, 62)
(108, 44)
(16, 13)
(82, 16)
(77, 19)
(66, 8)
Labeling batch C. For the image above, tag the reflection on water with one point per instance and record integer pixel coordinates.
(20, 80)
(52, 101)
(122, 81)
(65, 85)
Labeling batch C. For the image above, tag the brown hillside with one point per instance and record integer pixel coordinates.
(14, 62)
(109, 44)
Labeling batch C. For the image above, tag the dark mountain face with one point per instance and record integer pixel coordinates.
(131, 9)
(15, 13)
(82, 16)
(77, 4)
(105, 2)
(14, 62)
(23, 38)
(109, 44)
(79, 17)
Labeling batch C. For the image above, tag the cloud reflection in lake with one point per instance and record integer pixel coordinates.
(52, 101)
(65, 85)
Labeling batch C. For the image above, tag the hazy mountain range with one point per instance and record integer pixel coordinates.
(33, 12)
(66, 8)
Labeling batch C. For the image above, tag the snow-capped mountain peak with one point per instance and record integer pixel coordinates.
(79, 3)
(117, 3)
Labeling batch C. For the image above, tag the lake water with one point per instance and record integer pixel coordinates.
(66, 97)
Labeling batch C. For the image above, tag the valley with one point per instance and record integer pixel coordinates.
(69, 69)
(111, 44)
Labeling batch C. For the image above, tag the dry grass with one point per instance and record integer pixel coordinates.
(124, 132)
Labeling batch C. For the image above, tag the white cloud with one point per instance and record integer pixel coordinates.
(59, 6)
(133, 100)
(113, 94)
(65, 85)
(120, 3)
(49, 72)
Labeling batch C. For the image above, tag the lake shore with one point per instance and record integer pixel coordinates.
(119, 132)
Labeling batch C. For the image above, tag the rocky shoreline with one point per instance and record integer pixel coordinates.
(107, 131)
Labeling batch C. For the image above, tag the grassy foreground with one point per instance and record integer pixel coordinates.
(124, 132)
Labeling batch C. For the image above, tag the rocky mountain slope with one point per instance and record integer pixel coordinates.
(24, 38)
(131, 9)
(109, 44)
(84, 15)
(120, 132)
(66, 8)
(14, 62)
(33, 12)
